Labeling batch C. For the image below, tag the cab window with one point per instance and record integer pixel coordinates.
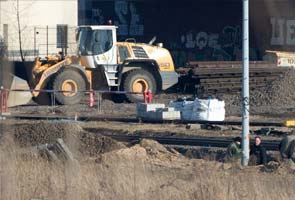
(103, 41)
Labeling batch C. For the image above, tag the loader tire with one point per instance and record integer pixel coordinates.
(138, 80)
(69, 80)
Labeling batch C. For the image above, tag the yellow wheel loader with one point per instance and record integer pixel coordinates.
(103, 63)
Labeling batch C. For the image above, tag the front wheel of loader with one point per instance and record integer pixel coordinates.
(139, 80)
(71, 83)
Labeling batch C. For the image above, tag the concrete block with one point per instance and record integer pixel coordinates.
(168, 115)
(148, 107)
(171, 115)
(163, 115)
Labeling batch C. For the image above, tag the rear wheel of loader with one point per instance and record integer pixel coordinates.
(139, 80)
(71, 82)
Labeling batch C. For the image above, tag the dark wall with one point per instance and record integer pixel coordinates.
(198, 29)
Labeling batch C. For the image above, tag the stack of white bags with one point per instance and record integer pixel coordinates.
(200, 109)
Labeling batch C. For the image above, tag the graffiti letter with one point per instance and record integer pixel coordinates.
(182, 39)
(97, 15)
(202, 39)
(277, 37)
(290, 32)
(213, 41)
(189, 40)
(121, 9)
(135, 27)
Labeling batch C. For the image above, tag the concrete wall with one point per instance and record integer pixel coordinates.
(38, 21)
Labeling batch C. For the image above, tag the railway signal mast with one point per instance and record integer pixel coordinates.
(245, 90)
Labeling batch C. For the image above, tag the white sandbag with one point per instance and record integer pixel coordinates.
(213, 115)
(200, 109)
(208, 110)
(208, 104)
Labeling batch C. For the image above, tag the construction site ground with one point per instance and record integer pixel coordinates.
(74, 159)
(104, 168)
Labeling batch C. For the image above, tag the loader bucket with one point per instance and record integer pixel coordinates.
(16, 98)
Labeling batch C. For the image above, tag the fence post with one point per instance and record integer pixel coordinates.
(144, 97)
(47, 41)
(6, 100)
(91, 98)
(52, 95)
(99, 102)
(1, 100)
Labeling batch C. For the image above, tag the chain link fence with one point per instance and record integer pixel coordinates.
(39, 41)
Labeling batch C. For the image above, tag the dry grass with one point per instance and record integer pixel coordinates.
(135, 173)
(142, 172)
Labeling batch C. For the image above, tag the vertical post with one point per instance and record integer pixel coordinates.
(52, 95)
(2, 54)
(99, 102)
(145, 97)
(0, 13)
(5, 34)
(66, 40)
(6, 100)
(245, 91)
(91, 98)
(34, 41)
(47, 41)
(1, 100)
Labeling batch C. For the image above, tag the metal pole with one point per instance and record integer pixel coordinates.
(66, 40)
(47, 41)
(1, 99)
(245, 124)
(0, 13)
(34, 41)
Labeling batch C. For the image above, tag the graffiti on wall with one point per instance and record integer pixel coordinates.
(283, 31)
(128, 18)
(97, 16)
(124, 14)
(206, 46)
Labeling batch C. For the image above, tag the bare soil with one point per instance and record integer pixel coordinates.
(106, 169)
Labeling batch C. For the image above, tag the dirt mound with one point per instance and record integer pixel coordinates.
(94, 144)
(44, 132)
(157, 150)
(149, 151)
(78, 140)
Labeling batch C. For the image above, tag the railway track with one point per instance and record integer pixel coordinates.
(165, 140)
(189, 141)
(135, 120)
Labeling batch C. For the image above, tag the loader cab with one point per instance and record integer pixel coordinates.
(97, 45)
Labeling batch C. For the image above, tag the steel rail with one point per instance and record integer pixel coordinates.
(136, 120)
(189, 141)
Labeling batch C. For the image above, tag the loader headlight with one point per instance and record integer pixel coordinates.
(160, 44)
